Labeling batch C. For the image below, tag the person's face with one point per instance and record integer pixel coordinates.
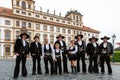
(24, 37)
(36, 39)
(57, 46)
(46, 40)
(93, 40)
(72, 41)
(104, 40)
(60, 38)
(79, 37)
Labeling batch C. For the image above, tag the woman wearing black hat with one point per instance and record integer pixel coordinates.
(106, 50)
(81, 53)
(93, 51)
(21, 49)
(63, 48)
(36, 52)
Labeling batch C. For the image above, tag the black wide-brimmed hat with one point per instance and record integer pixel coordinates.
(93, 37)
(24, 34)
(60, 36)
(105, 37)
(36, 37)
(79, 35)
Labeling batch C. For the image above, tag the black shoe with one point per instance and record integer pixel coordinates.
(24, 75)
(102, 72)
(15, 77)
(60, 73)
(110, 73)
(39, 72)
(33, 73)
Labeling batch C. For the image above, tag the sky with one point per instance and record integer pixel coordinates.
(102, 15)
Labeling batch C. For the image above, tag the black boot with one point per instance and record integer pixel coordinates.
(75, 70)
(72, 69)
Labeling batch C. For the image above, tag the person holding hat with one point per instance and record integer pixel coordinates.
(47, 53)
(106, 50)
(36, 52)
(72, 50)
(21, 50)
(80, 53)
(63, 48)
(93, 51)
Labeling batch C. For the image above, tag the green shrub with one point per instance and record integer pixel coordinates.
(116, 56)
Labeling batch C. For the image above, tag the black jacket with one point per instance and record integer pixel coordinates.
(90, 49)
(109, 48)
(34, 49)
(64, 44)
(19, 48)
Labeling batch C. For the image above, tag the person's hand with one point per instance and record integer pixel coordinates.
(55, 59)
(17, 54)
(33, 54)
(27, 55)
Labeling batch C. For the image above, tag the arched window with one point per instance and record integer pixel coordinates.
(7, 35)
(51, 39)
(23, 5)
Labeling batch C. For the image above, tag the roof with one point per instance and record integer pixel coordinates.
(84, 28)
(73, 12)
(6, 10)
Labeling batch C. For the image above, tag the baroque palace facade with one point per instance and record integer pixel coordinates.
(24, 18)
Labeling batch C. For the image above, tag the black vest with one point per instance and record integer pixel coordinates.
(47, 51)
(57, 53)
(72, 49)
(80, 47)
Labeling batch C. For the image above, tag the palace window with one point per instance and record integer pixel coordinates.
(24, 13)
(44, 17)
(7, 22)
(84, 34)
(17, 23)
(51, 39)
(77, 32)
(69, 31)
(38, 26)
(37, 15)
(23, 24)
(63, 31)
(29, 14)
(58, 29)
(51, 18)
(23, 5)
(7, 35)
(51, 28)
(29, 6)
(88, 34)
(17, 34)
(57, 20)
(29, 25)
(45, 27)
(17, 3)
(17, 11)
(68, 22)
(69, 39)
(63, 21)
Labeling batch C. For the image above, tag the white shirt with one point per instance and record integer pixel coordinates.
(57, 50)
(36, 44)
(94, 44)
(61, 43)
(80, 42)
(47, 47)
(24, 43)
(75, 51)
(104, 45)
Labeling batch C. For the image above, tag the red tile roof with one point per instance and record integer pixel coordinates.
(84, 28)
(6, 10)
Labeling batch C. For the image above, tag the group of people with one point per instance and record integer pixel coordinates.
(59, 54)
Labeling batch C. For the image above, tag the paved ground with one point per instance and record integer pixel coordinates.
(7, 68)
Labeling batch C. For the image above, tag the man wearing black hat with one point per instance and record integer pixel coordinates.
(21, 49)
(106, 50)
(81, 53)
(63, 48)
(93, 51)
(36, 52)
